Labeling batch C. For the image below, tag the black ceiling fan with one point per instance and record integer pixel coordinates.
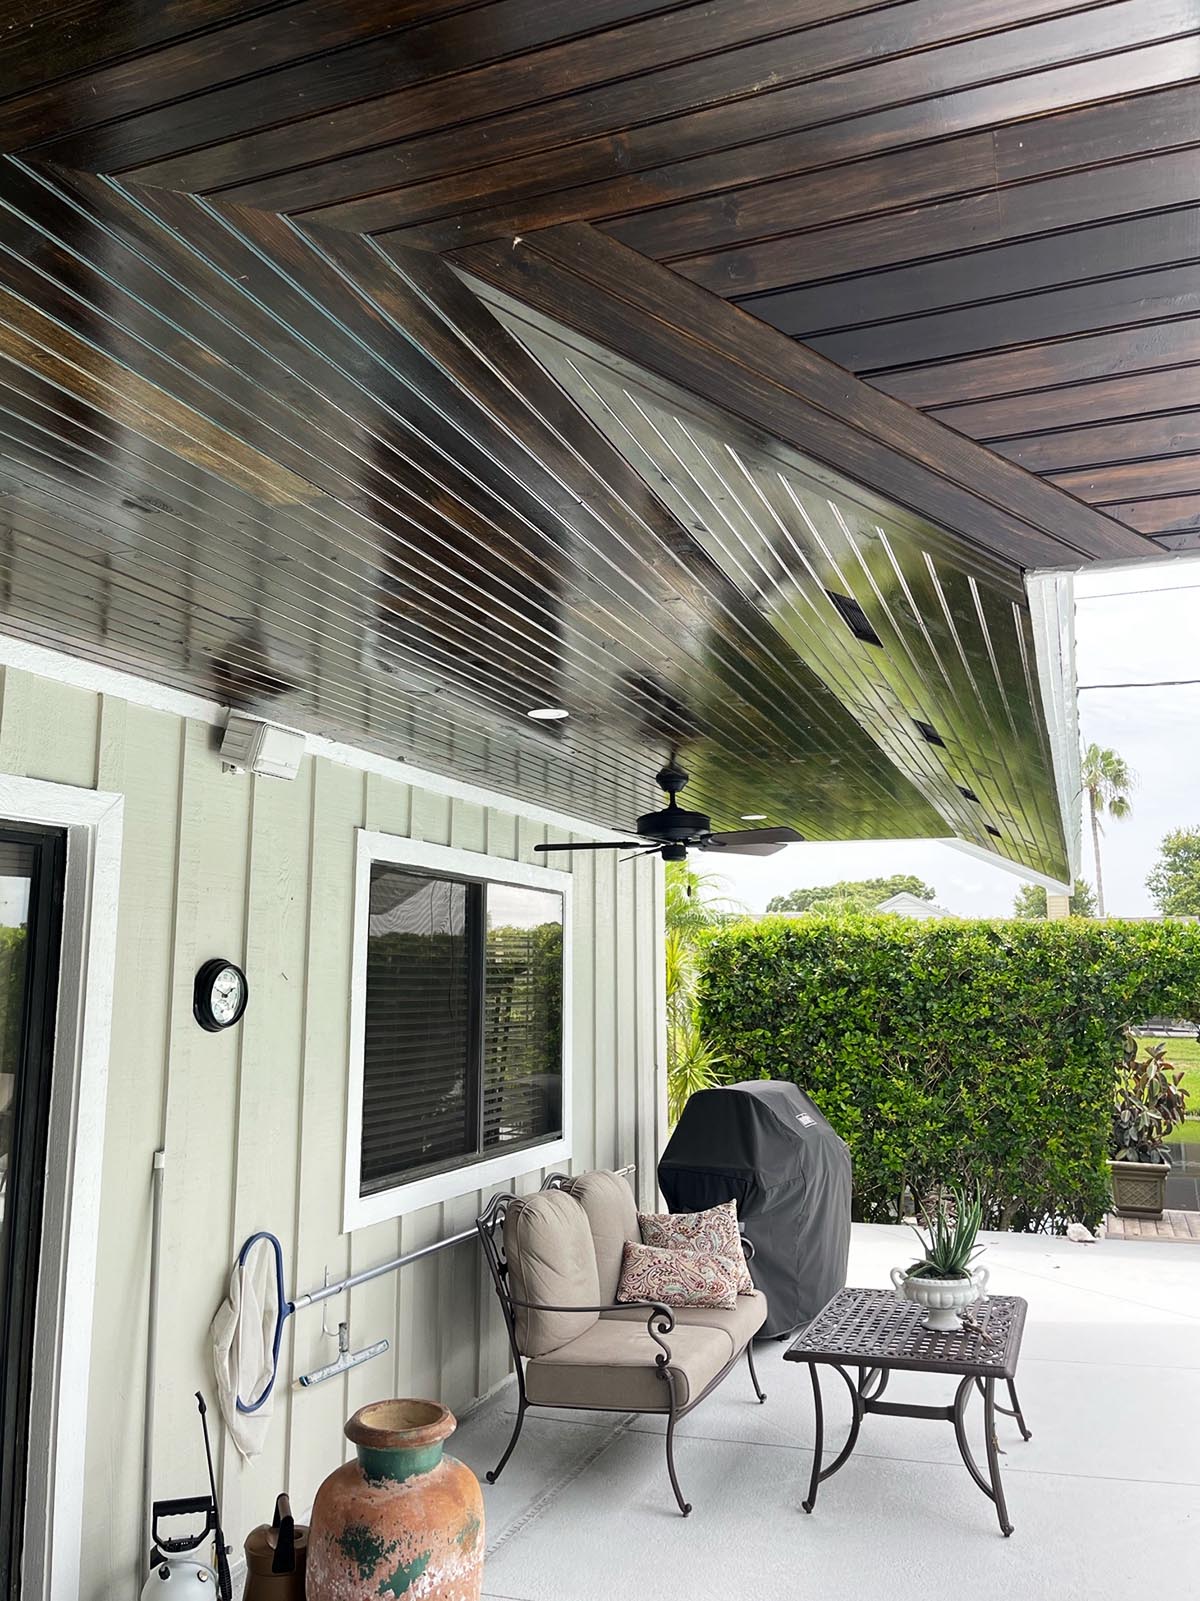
(673, 831)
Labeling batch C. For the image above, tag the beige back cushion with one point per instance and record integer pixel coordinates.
(551, 1260)
(613, 1218)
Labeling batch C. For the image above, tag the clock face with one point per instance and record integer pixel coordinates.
(225, 1000)
(220, 995)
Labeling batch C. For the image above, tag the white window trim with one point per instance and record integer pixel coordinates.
(360, 1211)
(62, 1358)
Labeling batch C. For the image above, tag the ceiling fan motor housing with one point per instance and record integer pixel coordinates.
(673, 825)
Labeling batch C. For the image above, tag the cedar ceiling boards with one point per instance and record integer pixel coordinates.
(296, 474)
(930, 649)
(249, 450)
(987, 208)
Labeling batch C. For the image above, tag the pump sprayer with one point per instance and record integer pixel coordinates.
(176, 1560)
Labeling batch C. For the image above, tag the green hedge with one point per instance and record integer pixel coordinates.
(978, 1052)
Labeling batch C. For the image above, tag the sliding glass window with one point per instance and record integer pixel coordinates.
(463, 1035)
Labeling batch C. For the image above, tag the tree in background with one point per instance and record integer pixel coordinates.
(1174, 880)
(1107, 780)
(12, 998)
(860, 894)
(1031, 901)
(692, 1064)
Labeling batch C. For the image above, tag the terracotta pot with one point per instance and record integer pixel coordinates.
(401, 1521)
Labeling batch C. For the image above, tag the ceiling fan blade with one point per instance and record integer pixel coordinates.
(653, 850)
(594, 845)
(753, 841)
(756, 836)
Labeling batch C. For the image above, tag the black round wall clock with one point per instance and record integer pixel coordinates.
(220, 995)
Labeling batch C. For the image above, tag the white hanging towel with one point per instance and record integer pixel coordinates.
(243, 1342)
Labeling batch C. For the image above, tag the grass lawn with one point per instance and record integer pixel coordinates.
(1184, 1053)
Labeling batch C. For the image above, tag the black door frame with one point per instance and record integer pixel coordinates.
(25, 1190)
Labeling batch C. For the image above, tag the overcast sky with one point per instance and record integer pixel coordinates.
(1137, 625)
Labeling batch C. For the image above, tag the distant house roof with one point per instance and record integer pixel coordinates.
(906, 905)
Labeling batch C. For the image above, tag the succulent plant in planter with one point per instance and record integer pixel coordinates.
(1148, 1102)
(942, 1280)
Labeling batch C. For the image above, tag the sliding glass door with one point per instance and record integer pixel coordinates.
(32, 863)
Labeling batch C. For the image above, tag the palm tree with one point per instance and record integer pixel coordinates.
(1107, 780)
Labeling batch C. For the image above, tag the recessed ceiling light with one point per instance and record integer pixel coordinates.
(548, 714)
(754, 817)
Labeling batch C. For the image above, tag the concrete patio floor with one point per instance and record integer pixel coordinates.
(1106, 1495)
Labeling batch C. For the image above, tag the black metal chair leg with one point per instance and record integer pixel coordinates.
(516, 1434)
(684, 1506)
(753, 1373)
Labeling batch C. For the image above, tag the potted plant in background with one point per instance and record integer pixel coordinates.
(943, 1280)
(1148, 1102)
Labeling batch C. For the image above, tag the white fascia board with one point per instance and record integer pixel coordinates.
(1052, 615)
(1029, 874)
(1157, 556)
(82, 673)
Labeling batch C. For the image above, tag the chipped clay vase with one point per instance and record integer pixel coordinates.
(403, 1520)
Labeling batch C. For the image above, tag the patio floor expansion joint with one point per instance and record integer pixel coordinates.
(553, 1491)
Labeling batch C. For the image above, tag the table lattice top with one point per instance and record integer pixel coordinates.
(876, 1329)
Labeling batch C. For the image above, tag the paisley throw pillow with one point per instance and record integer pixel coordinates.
(714, 1232)
(676, 1278)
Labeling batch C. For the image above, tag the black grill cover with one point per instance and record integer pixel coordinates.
(766, 1146)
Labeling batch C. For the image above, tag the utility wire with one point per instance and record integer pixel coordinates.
(1120, 594)
(1156, 683)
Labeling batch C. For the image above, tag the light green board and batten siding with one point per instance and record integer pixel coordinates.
(253, 1120)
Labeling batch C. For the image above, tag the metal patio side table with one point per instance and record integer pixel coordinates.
(879, 1334)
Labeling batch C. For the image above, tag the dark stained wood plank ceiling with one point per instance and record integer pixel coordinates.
(346, 496)
(975, 204)
(237, 375)
(926, 645)
(343, 495)
(627, 303)
(971, 204)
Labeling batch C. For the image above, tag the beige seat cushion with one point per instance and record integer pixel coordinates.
(612, 1214)
(611, 1368)
(551, 1260)
(739, 1325)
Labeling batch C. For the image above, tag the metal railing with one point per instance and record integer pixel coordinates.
(396, 1263)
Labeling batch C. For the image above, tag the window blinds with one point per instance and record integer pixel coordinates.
(463, 1036)
(417, 1037)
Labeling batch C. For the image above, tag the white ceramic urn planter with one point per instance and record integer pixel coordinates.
(944, 1300)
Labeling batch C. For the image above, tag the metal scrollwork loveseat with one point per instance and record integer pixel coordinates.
(555, 1258)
